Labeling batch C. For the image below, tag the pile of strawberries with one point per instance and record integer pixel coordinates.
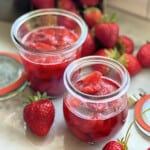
(103, 36)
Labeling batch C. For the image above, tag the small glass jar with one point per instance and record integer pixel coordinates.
(95, 105)
(48, 40)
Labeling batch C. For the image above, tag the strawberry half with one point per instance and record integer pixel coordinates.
(107, 31)
(39, 114)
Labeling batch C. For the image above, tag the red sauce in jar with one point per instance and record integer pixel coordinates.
(45, 70)
(90, 121)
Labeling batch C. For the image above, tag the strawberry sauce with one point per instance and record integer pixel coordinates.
(94, 121)
(46, 61)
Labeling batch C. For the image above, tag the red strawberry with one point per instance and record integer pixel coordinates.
(113, 145)
(67, 4)
(39, 114)
(107, 31)
(89, 2)
(131, 63)
(89, 46)
(125, 44)
(43, 3)
(92, 15)
(111, 53)
(143, 55)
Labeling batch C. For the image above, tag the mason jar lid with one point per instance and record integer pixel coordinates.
(143, 119)
(12, 74)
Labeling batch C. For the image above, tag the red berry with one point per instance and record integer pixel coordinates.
(143, 55)
(131, 63)
(113, 145)
(92, 15)
(107, 32)
(125, 44)
(89, 46)
(39, 115)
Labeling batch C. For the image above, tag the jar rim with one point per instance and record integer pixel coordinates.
(49, 11)
(85, 61)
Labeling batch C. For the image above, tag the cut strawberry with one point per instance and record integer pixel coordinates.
(90, 84)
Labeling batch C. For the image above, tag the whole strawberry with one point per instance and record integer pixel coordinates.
(107, 31)
(89, 46)
(125, 44)
(131, 63)
(113, 145)
(92, 15)
(39, 114)
(143, 55)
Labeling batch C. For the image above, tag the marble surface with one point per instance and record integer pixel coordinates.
(13, 133)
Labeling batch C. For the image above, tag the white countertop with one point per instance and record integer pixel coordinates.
(13, 135)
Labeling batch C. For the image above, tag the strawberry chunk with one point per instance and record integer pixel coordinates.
(90, 84)
(41, 46)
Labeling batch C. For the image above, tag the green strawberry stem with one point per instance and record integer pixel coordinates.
(107, 18)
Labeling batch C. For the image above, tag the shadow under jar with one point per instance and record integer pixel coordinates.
(48, 40)
(95, 105)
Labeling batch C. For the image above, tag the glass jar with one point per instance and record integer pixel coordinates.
(48, 40)
(95, 105)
